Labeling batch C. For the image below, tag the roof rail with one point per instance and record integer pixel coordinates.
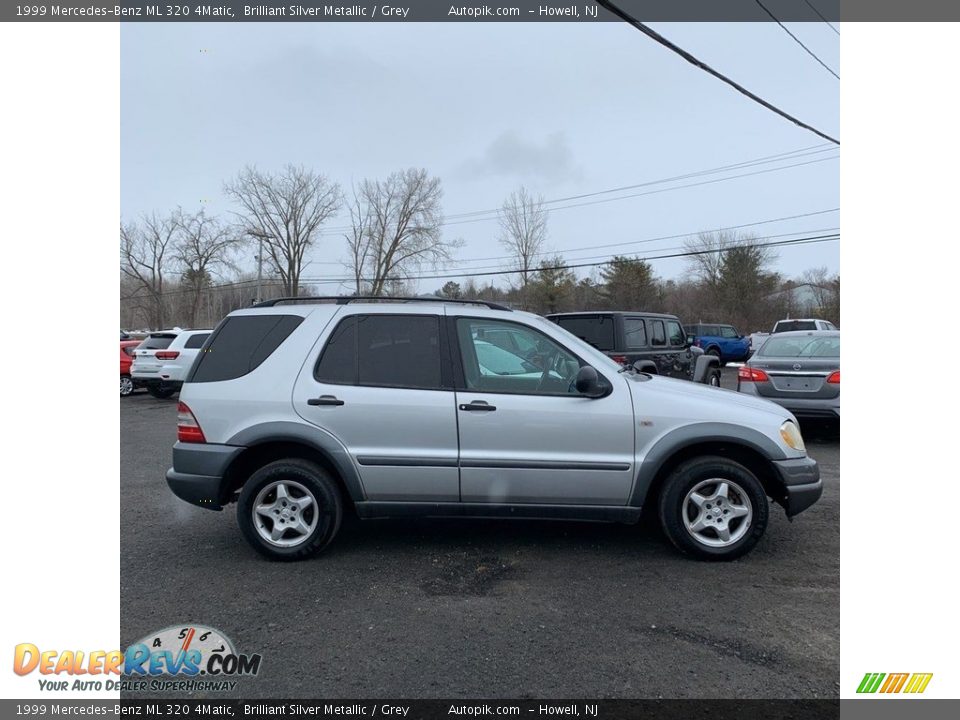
(347, 299)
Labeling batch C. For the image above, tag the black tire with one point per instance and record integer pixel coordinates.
(126, 386)
(713, 378)
(161, 391)
(328, 504)
(698, 470)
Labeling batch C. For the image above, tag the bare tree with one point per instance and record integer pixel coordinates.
(825, 290)
(145, 257)
(204, 246)
(523, 231)
(396, 230)
(286, 210)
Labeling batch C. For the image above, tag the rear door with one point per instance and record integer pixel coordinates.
(381, 383)
(526, 435)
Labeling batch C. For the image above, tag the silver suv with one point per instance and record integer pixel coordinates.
(300, 409)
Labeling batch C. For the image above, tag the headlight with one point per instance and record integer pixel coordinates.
(791, 436)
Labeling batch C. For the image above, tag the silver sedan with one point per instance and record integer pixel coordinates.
(797, 370)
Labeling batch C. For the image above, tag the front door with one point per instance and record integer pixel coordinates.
(379, 387)
(526, 434)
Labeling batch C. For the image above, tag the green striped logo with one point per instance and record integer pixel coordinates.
(911, 683)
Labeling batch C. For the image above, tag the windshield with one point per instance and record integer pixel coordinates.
(803, 346)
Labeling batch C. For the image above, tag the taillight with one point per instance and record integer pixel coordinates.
(167, 355)
(749, 374)
(188, 429)
(697, 342)
(622, 359)
(834, 378)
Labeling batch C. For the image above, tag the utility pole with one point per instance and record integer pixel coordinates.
(259, 236)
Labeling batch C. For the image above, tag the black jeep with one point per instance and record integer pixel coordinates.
(651, 342)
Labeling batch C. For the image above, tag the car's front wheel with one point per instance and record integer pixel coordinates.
(713, 508)
(290, 509)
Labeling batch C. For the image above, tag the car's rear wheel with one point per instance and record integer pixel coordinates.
(126, 385)
(161, 391)
(713, 508)
(290, 509)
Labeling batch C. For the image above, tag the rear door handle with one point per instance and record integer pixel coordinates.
(325, 400)
(478, 405)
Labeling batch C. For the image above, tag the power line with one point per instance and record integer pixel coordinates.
(573, 266)
(819, 15)
(465, 218)
(565, 266)
(653, 34)
(662, 237)
(607, 257)
(796, 39)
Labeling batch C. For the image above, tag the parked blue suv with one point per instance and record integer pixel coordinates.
(722, 341)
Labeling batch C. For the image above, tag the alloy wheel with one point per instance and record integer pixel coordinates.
(285, 513)
(717, 512)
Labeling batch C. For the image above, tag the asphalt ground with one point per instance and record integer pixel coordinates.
(485, 609)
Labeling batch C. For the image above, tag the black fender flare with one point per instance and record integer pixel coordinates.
(696, 434)
(311, 436)
(705, 363)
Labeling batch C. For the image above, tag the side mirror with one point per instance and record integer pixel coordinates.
(691, 339)
(588, 382)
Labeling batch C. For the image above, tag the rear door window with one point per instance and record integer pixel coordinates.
(401, 351)
(597, 330)
(635, 332)
(728, 332)
(240, 345)
(658, 337)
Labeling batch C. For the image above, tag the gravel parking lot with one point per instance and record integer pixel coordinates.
(469, 608)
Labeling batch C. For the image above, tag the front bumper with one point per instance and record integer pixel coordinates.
(198, 473)
(801, 483)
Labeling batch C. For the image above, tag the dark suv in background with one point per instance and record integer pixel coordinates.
(653, 342)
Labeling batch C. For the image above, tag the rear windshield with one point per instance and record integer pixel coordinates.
(803, 346)
(240, 345)
(597, 330)
(157, 341)
(791, 325)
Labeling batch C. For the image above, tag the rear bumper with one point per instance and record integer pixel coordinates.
(802, 408)
(801, 483)
(198, 473)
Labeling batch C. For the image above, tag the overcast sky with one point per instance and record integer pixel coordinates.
(562, 108)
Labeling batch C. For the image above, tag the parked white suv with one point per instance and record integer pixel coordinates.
(161, 362)
(302, 411)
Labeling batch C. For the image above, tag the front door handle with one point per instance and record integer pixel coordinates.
(481, 405)
(325, 400)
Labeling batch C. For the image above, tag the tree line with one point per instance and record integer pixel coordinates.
(183, 268)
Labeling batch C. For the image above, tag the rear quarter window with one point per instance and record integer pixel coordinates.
(196, 341)
(241, 344)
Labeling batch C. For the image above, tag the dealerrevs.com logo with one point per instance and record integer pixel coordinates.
(178, 658)
(910, 683)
